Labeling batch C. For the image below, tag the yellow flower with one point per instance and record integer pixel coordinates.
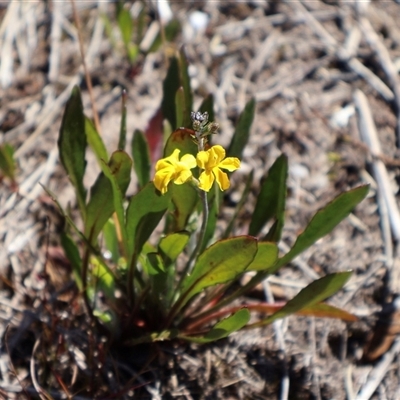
(212, 161)
(172, 169)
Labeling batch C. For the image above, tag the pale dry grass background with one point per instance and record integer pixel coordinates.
(316, 69)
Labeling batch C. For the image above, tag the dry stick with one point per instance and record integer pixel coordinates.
(264, 51)
(378, 373)
(55, 37)
(387, 65)
(42, 393)
(86, 71)
(352, 63)
(370, 137)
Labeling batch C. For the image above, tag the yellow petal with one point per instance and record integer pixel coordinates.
(230, 163)
(189, 161)
(221, 178)
(183, 176)
(218, 154)
(169, 161)
(206, 180)
(202, 159)
(162, 179)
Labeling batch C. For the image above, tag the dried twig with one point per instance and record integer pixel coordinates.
(386, 63)
(370, 137)
(85, 68)
(378, 373)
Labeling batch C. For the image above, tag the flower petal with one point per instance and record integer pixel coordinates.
(182, 177)
(218, 154)
(221, 178)
(162, 179)
(189, 161)
(230, 163)
(169, 161)
(202, 159)
(206, 180)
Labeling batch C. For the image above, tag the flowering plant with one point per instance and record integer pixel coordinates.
(182, 282)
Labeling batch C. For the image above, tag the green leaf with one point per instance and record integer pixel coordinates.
(314, 293)
(103, 278)
(180, 106)
(72, 145)
(117, 174)
(122, 129)
(101, 205)
(72, 253)
(185, 199)
(323, 310)
(180, 139)
(222, 329)
(220, 263)
(144, 212)
(267, 254)
(125, 24)
(187, 90)
(242, 131)
(173, 245)
(111, 240)
(319, 310)
(95, 141)
(141, 158)
(324, 221)
(271, 200)
(170, 86)
(161, 281)
(7, 162)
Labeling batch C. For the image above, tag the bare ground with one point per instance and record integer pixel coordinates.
(319, 71)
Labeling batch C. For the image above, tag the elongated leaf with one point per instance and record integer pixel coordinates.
(144, 212)
(172, 245)
(267, 254)
(122, 129)
(271, 200)
(72, 145)
(141, 158)
(95, 141)
(72, 253)
(125, 25)
(171, 84)
(111, 240)
(118, 190)
(103, 278)
(161, 280)
(242, 131)
(222, 329)
(180, 139)
(314, 293)
(324, 221)
(101, 205)
(180, 106)
(185, 199)
(319, 310)
(220, 263)
(187, 90)
(7, 161)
